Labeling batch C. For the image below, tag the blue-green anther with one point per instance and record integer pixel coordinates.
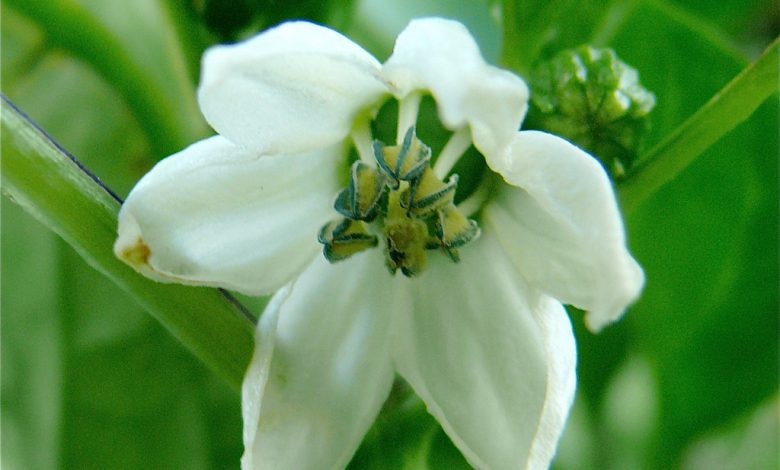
(428, 194)
(453, 230)
(360, 201)
(590, 97)
(402, 201)
(405, 162)
(343, 238)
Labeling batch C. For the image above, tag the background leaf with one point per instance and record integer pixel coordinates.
(133, 46)
(707, 241)
(706, 322)
(89, 379)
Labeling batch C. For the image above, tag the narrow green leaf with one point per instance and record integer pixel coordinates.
(52, 186)
(70, 26)
(728, 108)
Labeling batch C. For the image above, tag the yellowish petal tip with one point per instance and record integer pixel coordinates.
(136, 254)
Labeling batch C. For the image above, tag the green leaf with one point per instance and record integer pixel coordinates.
(109, 384)
(749, 22)
(119, 381)
(119, 389)
(30, 334)
(78, 108)
(132, 46)
(707, 240)
(728, 108)
(49, 184)
(89, 380)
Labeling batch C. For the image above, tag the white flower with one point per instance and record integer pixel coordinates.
(485, 342)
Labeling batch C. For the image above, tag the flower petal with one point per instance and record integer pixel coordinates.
(562, 228)
(293, 88)
(215, 214)
(441, 56)
(492, 358)
(561, 353)
(330, 371)
(257, 373)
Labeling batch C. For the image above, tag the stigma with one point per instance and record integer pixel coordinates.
(400, 204)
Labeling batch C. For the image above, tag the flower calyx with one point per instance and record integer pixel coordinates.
(403, 202)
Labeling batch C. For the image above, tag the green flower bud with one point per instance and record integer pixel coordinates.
(592, 98)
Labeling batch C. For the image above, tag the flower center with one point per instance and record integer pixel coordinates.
(401, 200)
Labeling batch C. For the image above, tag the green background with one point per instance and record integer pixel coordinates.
(688, 379)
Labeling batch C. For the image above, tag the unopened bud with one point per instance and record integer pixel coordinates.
(590, 97)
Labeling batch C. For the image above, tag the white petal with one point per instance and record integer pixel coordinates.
(562, 227)
(257, 373)
(215, 214)
(293, 88)
(330, 371)
(492, 358)
(441, 56)
(561, 354)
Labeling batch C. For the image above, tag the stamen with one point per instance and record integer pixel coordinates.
(343, 238)
(401, 201)
(361, 136)
(408, 108)
(429, 194)
(404, 162)
(453, 230)
(451, 153)
(361, 200)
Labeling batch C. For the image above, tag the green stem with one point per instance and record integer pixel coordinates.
(724, 111)
(69, 26)
(53, 187)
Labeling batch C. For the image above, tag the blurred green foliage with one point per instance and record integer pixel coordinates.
(687, 380)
